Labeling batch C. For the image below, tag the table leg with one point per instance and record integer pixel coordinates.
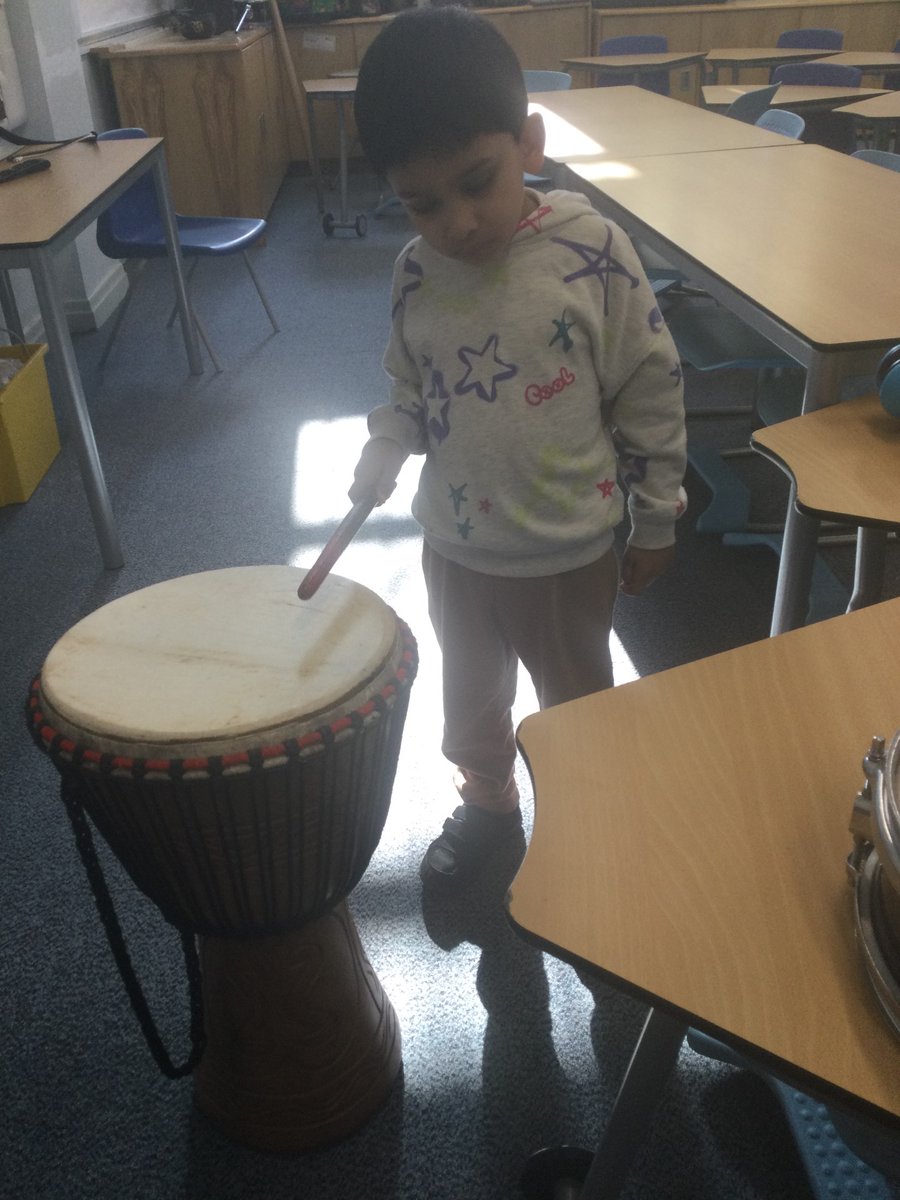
(11, 319)
(795, 568)
(798, 547)
(651, 1065)
(75, 407)
(315, 164)
(871, 553)
(167, 213)
(342, 151)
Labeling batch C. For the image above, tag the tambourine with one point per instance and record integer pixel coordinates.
(887, 377)
(874, 870)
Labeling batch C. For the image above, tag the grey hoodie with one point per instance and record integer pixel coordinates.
(538, 388)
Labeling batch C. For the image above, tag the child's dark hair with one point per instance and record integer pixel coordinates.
(434, 79)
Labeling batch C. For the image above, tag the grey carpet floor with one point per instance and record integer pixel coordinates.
(505, 1049)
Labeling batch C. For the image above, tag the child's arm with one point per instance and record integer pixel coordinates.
(396, 429)
(649, 435)
(639, 378)
(377, 470)
(640, 567)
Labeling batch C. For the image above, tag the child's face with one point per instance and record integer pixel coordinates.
(467, 205)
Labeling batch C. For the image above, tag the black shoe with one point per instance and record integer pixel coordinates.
(467, 839)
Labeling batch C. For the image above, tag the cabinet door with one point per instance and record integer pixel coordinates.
(541, 37)
(193, 102)
(262, 145)
(221, 115)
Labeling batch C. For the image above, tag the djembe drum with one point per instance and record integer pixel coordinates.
(236, 748)
(874, 870)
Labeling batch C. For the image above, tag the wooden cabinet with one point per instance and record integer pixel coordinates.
(220, 106)
(227, 114)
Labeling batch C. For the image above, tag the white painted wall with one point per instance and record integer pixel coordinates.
(98, 16)
(45, 40)
(10, 83)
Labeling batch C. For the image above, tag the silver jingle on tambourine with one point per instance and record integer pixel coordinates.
(874, 870)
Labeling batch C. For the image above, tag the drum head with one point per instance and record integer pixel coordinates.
(221, 659)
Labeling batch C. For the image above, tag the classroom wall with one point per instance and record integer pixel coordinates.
(102, 16)
(45, 36)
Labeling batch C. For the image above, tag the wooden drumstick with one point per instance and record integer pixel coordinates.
(335, 547)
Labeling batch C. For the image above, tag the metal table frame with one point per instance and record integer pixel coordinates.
(39, 260)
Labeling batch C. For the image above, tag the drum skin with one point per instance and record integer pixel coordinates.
(252, 837)
(250, 843)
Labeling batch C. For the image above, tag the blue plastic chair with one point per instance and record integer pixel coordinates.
(817, 74)
(748, 106)
(891, 79)
(779, 120)
(711, 338)
(130, 229)
(545, 81)
(881, 158)
(824, 128)
(811, 39)
(634, 43)
(843, 1152)
(639, 43)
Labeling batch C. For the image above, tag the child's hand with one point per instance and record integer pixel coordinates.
(641, 567)
(377, 470)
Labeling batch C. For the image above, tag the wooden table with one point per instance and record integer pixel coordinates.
(594, 125)
(798, 97)
(725, 219)
(882, 112)
(738, 57)
(41, 213)
(689, 842)
(843, 459)
(843, 462)
(870, 62)
(340, 91)
(630, 68)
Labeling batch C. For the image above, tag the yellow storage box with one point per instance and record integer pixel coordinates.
(29, 440)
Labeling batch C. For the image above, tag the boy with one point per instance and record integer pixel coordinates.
(530, 365)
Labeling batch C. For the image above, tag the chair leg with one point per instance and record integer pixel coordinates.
(192, 267)
(133, 276)
(262, 295)
(265, 303)
(201, 329)
(871, 548)
(205, 340)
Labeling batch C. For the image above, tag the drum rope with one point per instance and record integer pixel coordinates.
(70, 792)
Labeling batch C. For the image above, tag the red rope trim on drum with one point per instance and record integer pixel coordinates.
(58, 746)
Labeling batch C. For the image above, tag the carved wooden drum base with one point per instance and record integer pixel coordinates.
(303, 1044)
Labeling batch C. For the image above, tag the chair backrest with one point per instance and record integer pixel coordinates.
(634, 43)
(891, 79)
(881, 158)
(817, 74)
(638, 43)
(547, 81)
(134, 213)
(779, 120)
(811, 39)
(747, 107)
